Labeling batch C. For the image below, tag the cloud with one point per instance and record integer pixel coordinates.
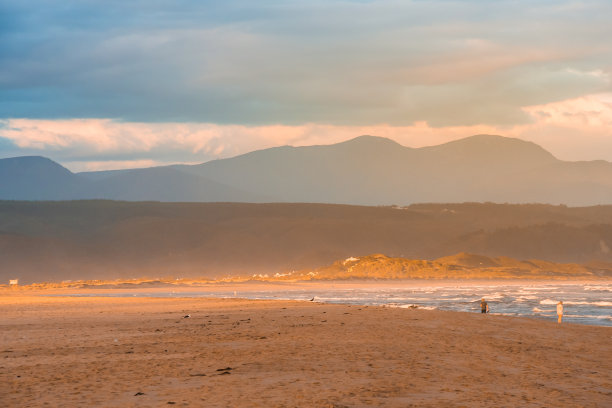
(110, 84)
(112, 165)
(573, 129)
(590, 112)
(343, 63)
(576, 129)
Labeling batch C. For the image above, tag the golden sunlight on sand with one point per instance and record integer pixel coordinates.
(127, 352)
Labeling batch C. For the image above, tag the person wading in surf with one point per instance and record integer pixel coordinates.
(484, 306)
(560, 311)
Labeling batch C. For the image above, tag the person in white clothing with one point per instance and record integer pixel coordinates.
(560, 310)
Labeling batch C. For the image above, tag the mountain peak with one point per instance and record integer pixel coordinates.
(487, 138)
(30, 159)
(35, 178)
(370, 140)
(29, 164)
(492, 141)
(485, 146)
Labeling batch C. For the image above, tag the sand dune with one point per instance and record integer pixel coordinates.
(129, 352)
(461, 268)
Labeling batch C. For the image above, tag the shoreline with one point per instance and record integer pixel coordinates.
(101, 351)
(456, 296)
(515, 299)
(255, 285)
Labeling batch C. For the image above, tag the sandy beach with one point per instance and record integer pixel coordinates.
(124, 352)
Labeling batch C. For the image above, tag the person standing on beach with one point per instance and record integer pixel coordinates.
(484, 306)
(560, 311)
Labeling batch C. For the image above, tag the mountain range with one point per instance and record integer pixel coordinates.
(366, 170)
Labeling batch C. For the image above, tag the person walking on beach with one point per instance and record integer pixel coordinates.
(560, 311)
(484, 306)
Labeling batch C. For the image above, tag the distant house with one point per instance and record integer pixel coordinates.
(13, 282)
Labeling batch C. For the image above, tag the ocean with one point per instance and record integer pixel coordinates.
(589, 304)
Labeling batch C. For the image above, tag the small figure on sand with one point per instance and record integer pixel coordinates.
(560, 311)
(484, 306)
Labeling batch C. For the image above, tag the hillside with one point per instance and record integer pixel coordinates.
(367, 170)
(37, 178)
(372, 170)
(55, 241)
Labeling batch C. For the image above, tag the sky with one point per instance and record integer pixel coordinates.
(110, 84)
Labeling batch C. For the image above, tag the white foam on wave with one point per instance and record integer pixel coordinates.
(600, 317)
(427, 307)
(408, 306)
(525, 298)
(602, 304)
(401, 299)
(493, 296)
(525, 292)
(455, 299)
(405, 306)
(339, 298)
(569, 302)
(542, 288)
(599, 288)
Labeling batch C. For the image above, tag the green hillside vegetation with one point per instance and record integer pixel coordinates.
(107, 240)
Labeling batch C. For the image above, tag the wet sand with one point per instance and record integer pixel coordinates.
(124, 352)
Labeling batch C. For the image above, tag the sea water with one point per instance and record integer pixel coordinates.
(583, 303)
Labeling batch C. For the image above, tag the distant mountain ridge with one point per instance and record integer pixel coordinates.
(366, 170)
(37, 178)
